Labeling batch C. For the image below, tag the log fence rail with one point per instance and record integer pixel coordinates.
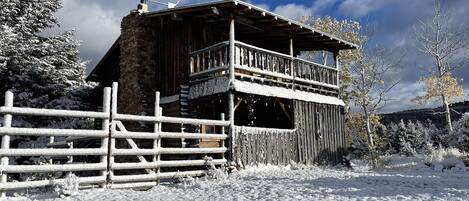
(112, 129)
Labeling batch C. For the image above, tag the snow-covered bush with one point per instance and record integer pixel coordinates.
(360, 165)
(459, 137)
(68, 186)
(213, 172)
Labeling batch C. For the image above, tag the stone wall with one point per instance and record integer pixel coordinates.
(137, 65)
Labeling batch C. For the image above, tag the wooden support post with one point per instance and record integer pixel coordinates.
(231, 92)
(105, 127)
(6, 139)
(337, 66)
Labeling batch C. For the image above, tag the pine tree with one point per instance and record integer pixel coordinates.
(42, 71)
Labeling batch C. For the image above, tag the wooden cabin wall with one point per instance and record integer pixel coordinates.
(319, 138)
(175, 41)
(321, 133)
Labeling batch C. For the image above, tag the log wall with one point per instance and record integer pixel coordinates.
(266, 146)
(321, 133)
(319, 138)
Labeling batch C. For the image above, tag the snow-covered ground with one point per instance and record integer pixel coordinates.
(305, 183)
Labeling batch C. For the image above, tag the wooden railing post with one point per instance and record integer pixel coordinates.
(292, 63)
(106, 127)
(337, 66)
(6, 138)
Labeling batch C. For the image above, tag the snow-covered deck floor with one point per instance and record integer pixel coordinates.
(314, 183)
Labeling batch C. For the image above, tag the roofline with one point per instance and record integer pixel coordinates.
(236, 2)
(100, 63)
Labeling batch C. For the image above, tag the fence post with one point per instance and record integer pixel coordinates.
(157, 141)
(222, 117)
(105, 127)
(6, 138)
(112, 140)
(51, 140)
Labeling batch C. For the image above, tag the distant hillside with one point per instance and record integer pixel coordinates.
(434, 114)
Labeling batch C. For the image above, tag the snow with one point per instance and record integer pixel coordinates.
(297, 182)
(265, 90)
(210, 87)
(221, 85)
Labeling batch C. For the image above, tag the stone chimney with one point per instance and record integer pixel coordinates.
(137, 64)
(142, 7)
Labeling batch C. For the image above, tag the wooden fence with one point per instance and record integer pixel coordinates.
(266, 146)
(148, 159)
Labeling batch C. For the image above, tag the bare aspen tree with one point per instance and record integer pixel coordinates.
(446, 45)
(346, 29)
(373, 78)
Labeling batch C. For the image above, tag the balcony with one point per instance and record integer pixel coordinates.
(263, 66)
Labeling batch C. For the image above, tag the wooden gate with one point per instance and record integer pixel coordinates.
(105, 172)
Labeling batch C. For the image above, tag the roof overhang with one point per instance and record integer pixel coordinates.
(306, 37)
(94, 75)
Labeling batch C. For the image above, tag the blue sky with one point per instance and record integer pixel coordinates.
(392, 23)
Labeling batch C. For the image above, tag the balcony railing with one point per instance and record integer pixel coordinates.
(254, 60)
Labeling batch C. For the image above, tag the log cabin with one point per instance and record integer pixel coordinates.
(231, 57)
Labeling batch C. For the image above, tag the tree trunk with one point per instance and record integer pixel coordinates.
(368, 130)
(449, 124)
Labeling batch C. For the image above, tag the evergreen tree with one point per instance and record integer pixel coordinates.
(42, 71)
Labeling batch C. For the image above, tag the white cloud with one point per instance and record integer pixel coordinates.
(293, 11)
(296, 11)
(97, 24)
(401, 97)
(359, 8)
(96, 27)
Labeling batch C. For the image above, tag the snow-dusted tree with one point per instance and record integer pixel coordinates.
(422, 141)
(43, 71)
(446, 45)
(409, 138)
(347, 30)
(373, 77)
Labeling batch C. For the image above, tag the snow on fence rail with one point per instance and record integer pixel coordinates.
(112, 129)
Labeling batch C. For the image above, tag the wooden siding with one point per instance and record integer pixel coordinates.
(319, 138)
(266, 146)
(175, 41)
(321, 134)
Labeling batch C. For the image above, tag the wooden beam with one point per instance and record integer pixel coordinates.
(176, 17)
(231, 91)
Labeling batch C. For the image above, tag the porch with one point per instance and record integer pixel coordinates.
(255, 64)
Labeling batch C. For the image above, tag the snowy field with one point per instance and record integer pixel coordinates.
(304, 183)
